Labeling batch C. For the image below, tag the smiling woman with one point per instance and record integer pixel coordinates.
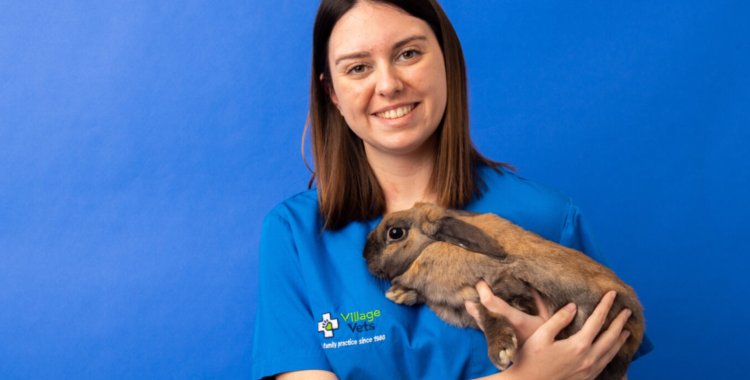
(389, 125)
(389, 81)
(392, 88)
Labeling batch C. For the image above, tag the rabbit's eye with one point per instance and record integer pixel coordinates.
(396, 233)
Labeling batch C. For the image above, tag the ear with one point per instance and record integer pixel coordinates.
(457, 232)
(329, 90)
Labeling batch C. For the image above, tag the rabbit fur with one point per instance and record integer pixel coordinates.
(436, 256)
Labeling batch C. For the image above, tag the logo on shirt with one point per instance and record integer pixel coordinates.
(361, 329)
(328, 325)
(359, 321)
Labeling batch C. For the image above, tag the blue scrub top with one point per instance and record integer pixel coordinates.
(319, 307)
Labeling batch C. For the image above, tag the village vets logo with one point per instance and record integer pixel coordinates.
(361, 325)
(328, 325)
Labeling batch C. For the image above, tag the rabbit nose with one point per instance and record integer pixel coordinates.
(370, 251)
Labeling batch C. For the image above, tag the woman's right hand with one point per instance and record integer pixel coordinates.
(580, 356)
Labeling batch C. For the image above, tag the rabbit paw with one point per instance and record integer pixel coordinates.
(506, 356)
(502, 350)
(401, 295)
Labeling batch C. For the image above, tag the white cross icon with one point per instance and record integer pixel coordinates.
(327, 325)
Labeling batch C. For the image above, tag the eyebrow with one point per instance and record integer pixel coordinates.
(363, 54)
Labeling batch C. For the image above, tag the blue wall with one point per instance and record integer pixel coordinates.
(142, 143)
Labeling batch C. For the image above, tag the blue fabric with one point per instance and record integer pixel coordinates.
(314, 283)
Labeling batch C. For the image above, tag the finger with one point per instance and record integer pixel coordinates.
(610, 337)
(549, 330)
(497, 305)
(473, 309)
(596, 320)
(491, 301)
(609, 355)
(486, 296)
(540, 305)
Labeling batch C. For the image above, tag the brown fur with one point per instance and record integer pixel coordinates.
(444, 253)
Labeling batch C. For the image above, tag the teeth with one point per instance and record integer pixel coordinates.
(396, 113)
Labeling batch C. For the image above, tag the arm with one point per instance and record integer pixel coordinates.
(307, 375)
(283, 317)
(540, 356)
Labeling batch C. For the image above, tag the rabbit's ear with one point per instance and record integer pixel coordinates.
(457, 232)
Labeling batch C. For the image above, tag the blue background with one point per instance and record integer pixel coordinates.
(142, 142)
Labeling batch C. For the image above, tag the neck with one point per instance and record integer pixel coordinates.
(405, 179)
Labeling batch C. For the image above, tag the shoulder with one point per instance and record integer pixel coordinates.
(530, 204)
(301, 208)
(294, 221)
(289, 233)
(505, 183)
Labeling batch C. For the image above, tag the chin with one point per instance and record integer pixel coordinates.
(406, 146)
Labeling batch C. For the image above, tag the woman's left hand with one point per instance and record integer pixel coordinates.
(525, 324)
(586, 357)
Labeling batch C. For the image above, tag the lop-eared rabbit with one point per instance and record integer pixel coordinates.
(436, 256)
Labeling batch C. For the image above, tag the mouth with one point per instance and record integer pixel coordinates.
(375, 269)
(396, 112)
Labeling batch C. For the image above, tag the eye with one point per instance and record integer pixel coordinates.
(409, 54)
(357, 69)
(396, 233)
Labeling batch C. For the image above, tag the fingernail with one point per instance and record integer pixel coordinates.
(628, 313)
(483, 296)
(570, 308)
(612, 294)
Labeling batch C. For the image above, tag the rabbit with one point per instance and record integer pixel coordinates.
(436, 256)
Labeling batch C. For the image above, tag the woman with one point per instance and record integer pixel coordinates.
(389, 123)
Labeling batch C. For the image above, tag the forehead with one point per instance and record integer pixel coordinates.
(369, 26)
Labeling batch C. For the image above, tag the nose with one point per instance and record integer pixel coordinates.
(389, 83)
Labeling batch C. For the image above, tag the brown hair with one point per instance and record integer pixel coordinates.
(347, 187)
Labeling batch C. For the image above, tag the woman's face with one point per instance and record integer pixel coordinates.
(388, 77)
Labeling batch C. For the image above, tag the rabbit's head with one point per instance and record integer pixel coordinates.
(400, 237)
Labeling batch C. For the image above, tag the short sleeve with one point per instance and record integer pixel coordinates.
(283, 340)
(576, 234)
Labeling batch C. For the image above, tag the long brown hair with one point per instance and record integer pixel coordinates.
(347, 187)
